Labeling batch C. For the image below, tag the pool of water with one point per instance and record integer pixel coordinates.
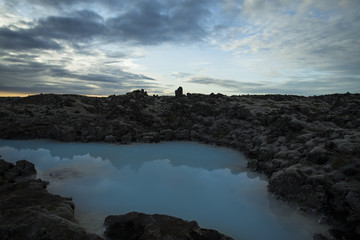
(188, 180)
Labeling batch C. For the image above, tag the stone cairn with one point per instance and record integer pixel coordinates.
(179, 92)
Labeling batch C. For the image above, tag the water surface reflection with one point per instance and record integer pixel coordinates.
(187, 180)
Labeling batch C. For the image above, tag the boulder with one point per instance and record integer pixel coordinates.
(179, 92)
(346, 202)
(149, 137)
(318, 155)
(287, 182)
(110, 139)
(167, 134)
(126, 139)
(309, 192)
(90, 138)
(22, 171)
(136, 226)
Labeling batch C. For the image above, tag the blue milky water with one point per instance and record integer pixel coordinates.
(188, 180)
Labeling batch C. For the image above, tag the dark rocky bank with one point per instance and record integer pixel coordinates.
(307, 146)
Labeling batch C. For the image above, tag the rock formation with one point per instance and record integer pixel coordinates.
(179, 92)
(161, 227)
(307, 146)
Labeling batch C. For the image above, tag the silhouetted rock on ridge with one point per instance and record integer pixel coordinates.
(179, 92)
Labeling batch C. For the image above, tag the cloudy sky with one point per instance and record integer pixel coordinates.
(103, 47)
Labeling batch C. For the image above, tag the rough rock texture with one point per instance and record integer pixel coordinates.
(309, 147)
(140, 226)
(28, 211)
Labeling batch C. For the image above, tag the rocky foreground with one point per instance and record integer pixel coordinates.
(309, 147)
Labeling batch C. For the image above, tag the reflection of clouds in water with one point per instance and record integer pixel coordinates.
(209, 157)
(37, 156)
(47, 165)
(209, 188)
(190, 193)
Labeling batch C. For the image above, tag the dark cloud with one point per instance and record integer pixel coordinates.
(142, 22)
(116, 54)
(47, 3)
(66, 4)
(21, 58)
(231, 84)
(181, 75)
(69, 28)
(28, 68)
(121, 76)
(89, 15)
(299, 38)
(46, 33)
(24, 40)
(31, 76)
(59, 87)
(154, 22)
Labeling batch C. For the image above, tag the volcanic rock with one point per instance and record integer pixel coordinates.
(179, 92)
(140, 226)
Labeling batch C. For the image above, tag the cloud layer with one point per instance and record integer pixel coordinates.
(93, 47)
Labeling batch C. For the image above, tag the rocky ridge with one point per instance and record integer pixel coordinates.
(307, 146)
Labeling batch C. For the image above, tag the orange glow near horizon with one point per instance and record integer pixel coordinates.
(15, 94)
(95, 95)
(18, 94)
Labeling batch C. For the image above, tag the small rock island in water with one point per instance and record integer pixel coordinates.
(309, 148)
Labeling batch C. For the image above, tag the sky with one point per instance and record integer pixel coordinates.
(233, 47)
